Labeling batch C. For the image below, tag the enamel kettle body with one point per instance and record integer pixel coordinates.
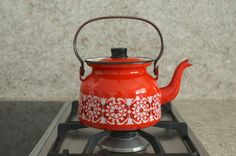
(119, 94)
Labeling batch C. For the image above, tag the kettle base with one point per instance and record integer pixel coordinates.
(123, 142)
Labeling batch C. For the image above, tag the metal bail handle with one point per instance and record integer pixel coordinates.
(155, 70)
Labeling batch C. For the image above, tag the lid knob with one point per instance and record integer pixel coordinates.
(119, 53)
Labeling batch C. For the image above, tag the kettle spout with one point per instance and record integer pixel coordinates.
(169, 92)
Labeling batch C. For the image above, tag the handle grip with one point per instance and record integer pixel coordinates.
(82, 71)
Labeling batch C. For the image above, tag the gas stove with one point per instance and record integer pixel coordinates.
(67, 137)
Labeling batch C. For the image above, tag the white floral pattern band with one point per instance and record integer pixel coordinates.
(120, 111)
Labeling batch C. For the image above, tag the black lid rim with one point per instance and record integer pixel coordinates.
(148, 60)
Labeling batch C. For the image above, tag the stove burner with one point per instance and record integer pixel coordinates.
(123, 142)
(111, 143)
(123, 135)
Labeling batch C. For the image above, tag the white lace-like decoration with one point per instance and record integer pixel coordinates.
(120, 111)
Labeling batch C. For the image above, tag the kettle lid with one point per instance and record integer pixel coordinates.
(118, 56)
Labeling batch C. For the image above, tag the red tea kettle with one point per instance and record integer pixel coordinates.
(119, 94)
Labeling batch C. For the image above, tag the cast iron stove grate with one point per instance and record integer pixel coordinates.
(180, 127)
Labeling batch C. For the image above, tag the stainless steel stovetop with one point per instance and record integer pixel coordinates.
(66, 136)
